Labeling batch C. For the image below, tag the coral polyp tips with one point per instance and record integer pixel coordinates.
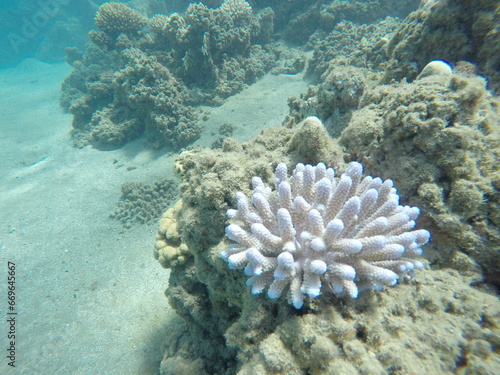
(311, 230)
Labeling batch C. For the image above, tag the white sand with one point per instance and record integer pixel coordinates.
(90, 296)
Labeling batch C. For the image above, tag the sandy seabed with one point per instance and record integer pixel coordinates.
(89, 294)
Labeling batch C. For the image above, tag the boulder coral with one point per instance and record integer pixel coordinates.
(169, 249)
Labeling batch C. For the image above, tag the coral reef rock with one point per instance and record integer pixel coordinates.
(452, 30)
(444, 320)
(146, 77)
(333, 100)
(219, 51)
(314, 231)
(439, 139)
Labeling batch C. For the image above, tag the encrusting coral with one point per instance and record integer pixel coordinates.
(141, 203)
(313, 231)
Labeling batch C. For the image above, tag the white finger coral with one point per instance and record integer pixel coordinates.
(314, 230)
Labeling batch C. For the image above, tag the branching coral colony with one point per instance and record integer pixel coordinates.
(345, 234)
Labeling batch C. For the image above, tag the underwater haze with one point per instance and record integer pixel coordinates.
(250, 187)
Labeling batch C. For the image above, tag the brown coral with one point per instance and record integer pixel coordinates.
(115, 18)
(169, 249)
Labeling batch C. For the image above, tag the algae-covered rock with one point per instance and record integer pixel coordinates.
(334, 99)
(320, 17)
(311, 140)
(351, 44)
(439, 139)
(452, 30)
